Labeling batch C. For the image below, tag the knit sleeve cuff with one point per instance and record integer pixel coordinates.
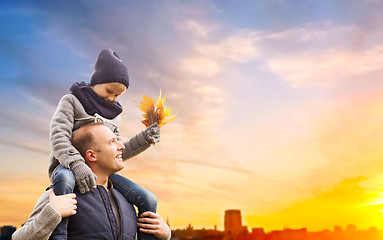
(49, 217)
(166, 237)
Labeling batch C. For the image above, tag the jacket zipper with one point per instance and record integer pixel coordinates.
(108, 212)
(120, 215)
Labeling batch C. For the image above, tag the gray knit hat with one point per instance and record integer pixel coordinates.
(109, 68)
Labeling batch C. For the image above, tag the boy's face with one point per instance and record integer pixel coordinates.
(109, 91)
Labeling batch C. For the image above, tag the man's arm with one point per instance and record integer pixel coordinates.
(152, 223)
(46, 215)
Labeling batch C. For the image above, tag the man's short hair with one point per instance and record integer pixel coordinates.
(83, 139)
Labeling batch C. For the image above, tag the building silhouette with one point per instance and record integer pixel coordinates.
(233, 222)
(6, 232)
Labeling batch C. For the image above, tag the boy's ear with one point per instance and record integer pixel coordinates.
(90, 155)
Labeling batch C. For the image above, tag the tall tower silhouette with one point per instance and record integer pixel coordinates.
(233, 221)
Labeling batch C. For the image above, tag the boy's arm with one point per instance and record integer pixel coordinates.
(40, 225)
(61, 128)
(141, 141)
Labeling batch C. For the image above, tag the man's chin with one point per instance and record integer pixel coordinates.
(120, 166)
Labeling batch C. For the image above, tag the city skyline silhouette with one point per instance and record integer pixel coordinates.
(234, 230)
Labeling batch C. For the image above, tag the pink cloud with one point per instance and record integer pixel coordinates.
(326, 68)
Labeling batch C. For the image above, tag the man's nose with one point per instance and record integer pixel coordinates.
(120, 146)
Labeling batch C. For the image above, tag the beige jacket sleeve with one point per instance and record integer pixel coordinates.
(40, 225)
(61, 127)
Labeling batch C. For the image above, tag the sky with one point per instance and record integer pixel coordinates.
(279, 104)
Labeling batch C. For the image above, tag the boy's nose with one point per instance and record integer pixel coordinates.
(111, 99)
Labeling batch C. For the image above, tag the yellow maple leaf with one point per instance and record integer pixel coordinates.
(155, 111)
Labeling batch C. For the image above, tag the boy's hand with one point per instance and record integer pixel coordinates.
(152, 223)
(153, 133)
(85, 178)
(65, 205)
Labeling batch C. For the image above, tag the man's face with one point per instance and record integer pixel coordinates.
(109, 150)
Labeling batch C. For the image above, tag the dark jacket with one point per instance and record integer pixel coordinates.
(95, 218)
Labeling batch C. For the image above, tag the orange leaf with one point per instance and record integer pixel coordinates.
(155, 111)
(148, 107)
(145, 122)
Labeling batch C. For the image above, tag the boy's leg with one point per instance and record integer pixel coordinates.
(63, 183)
(143, 199)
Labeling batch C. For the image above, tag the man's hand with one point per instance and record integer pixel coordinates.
(65, 205)
(152, 223)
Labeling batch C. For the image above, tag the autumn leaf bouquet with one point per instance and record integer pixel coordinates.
(155, 111)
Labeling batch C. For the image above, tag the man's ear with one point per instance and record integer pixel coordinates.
(90, 155)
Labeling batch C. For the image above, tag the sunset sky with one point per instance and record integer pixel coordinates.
(279, 104)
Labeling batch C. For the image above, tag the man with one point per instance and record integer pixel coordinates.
(102, 213)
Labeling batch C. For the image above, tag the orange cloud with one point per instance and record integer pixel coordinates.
(202, 66)
(348, 133)
(18, 196)
(340, 206)
(308, 152)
